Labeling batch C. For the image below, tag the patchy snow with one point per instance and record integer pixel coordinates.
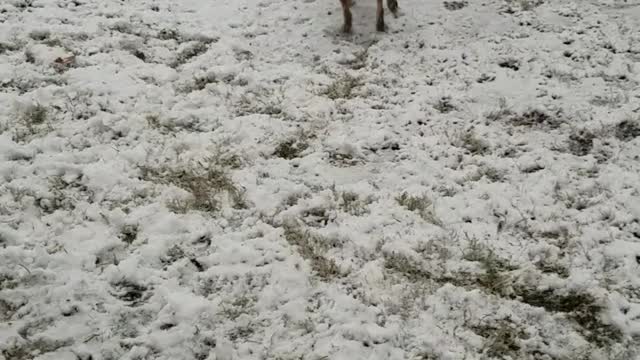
(238, 180)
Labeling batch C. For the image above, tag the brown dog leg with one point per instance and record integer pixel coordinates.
(346, 14)
(380, 16)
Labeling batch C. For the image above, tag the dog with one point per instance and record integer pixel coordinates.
(346, 13)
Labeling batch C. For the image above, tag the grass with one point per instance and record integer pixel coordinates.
(293, 199)
(8, 282)
(483, 78)
(35, 115)
(627, 130)
(80, 105)
(8, 47)
(205, 182)
(351, 203)
(341, 159)
(560, 75)
(31, 349)
(29, 56)
(582, 308)
(173, 34)
(243, 304)
(7, 309)
(40, 35)
(421, 205)
(291, 148)
(123, 27)
(553, 268)
(317, 216)
(34, 122)
(501, 112)
(579, 199)
(488, 172)
(406, 266)
(131, 293)
(502, 339)
(312, 248)
(129, 233)
(168, 34)
(512, 64)
(610, 100)
(360, 59)
(190, 51)
(524, 5)
(242, 332)
(23, 4)
(154, 122)
(263, 101)
(580, 143)
(133, 48)
(492, 280)
(492, 174)
(536, 118)
(126, 322)
(64, 195)
(455, 5)
(343, 87)
(32, 327)
(530, 118)
(469, 141)
(201, 82)
(444, 105)
(494, 267)
(172, 255)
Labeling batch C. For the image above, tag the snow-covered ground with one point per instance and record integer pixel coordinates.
(236, 179)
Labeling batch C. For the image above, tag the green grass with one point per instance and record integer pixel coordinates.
(312, 247)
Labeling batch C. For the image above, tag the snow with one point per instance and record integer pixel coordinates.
(239, 180)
